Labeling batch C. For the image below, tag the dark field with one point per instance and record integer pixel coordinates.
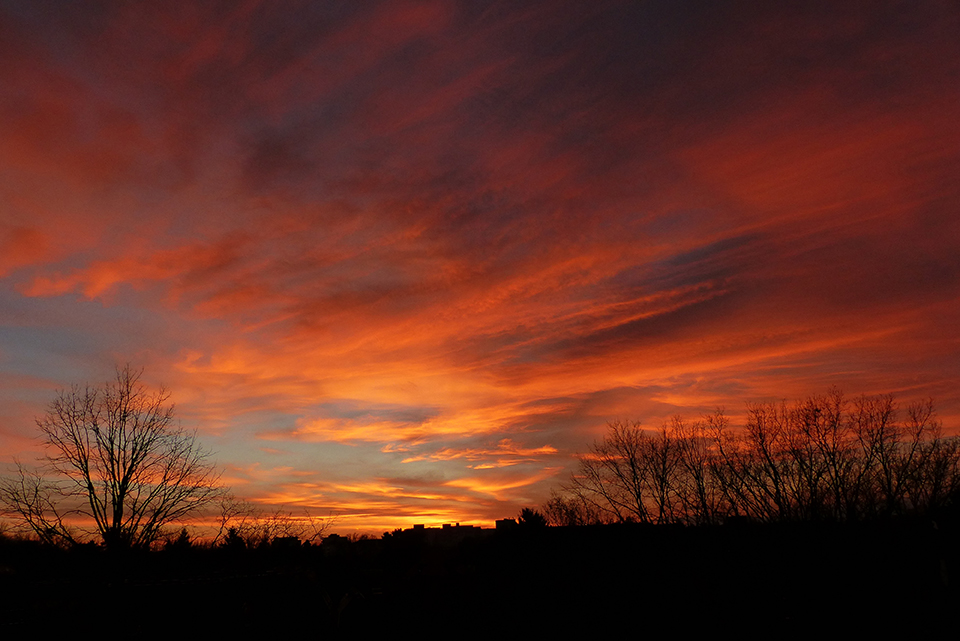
(752, 579)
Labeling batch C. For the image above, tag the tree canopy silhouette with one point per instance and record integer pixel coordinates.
(116, 457)
(531, 518)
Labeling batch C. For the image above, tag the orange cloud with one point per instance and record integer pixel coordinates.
(501, 488)
(408, 258)
(506, 453)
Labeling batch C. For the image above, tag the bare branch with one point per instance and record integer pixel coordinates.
(115, 456)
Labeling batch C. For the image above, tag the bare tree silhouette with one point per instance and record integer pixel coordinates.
(243, 524)
(821, 459)
(117, 458)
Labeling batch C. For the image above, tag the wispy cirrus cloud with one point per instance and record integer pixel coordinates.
(411, 257)
(505, 454)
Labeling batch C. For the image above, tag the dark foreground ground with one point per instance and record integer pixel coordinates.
(752, 580)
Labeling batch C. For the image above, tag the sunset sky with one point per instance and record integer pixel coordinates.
(400, 261)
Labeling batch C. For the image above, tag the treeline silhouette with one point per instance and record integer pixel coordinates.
(823, 459)
(825, 515)
(776, 579)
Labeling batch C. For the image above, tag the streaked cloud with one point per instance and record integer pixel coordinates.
(403, 260)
